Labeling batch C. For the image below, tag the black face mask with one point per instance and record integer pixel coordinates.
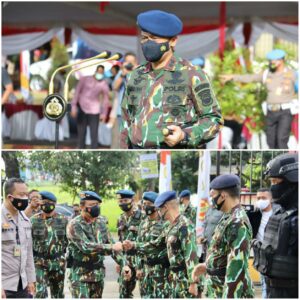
(19, 204)
(215, 202)
(278, 190)
(48, 207)
(154, 51)
(94, 211)
(149, 210)
(125, 206)
(272, 67)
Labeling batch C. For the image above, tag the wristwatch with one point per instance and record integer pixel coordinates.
(185, 140)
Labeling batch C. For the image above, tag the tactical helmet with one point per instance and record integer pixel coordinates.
(284, 166)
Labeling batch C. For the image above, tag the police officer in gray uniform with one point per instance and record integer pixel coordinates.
(280, 82)
(276, 257)
(18, 273)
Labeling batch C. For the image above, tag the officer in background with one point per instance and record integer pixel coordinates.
(34, 205)
(189, 211)
(152, 250)
(18, 273)
(76, 210)
(89, 241)
(127, 225)
(181, 246)
(49, 248)
(168, 102)
(280, 81)
(276, 257)
(227, 256)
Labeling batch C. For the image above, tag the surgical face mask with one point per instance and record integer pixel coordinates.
(153, 51)
(99, 76)
(48, 207)
(19, 204)
(94, 211)
(125, 206)
(215, 202)
(149, 210)
(262, 204)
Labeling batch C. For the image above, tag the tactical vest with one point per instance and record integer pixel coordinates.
(272, 257)
(40, 235)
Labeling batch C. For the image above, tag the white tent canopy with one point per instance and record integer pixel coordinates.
(28, 25)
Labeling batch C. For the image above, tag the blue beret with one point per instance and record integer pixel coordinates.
(185, 193)
(200, 61)
(89, 195)
(225, 181)
(164, 197)
(159, 23)
(125, 194)
(48, 196)
(150, 196)
(276, 54)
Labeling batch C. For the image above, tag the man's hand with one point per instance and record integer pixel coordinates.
(31, 288)
(117, 247)
(176, 137)
(139, 274)
(193, 289)
(128, 245)
(74, 112)
(3, 294)
(198, 270)
(225, 78)
(127, 273)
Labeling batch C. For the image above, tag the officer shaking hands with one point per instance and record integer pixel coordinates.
(276, 257)
(168, 102)
(227, 256)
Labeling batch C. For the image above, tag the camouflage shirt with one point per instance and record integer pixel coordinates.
(179, 94)
(150, 231)
(128, 230)
(229, 249)
(88, 243)
(190, 213)
(49, 240)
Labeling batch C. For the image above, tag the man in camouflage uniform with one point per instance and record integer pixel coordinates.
(228, 253)
(168, 102)
(49, 248)
(152, 250)
(181, 246)
(89, 241)
(127, 225)
(186, 208)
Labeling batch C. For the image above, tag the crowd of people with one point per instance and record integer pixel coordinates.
(157, 244)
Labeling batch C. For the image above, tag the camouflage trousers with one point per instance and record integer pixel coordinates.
(157, 282)
(53, 279)
(179, 285)
(126, 287)
(82, 289)
(215, 288)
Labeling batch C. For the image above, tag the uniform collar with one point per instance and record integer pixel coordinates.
(170, 66)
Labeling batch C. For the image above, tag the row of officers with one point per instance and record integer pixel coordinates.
(156, 247)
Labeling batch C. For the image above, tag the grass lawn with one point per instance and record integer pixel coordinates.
(109, 208)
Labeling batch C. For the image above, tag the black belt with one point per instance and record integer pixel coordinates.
(89, 265)
(216, 272)
(164, 262)
(282, 283)
(47, 256)
(178, 268)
